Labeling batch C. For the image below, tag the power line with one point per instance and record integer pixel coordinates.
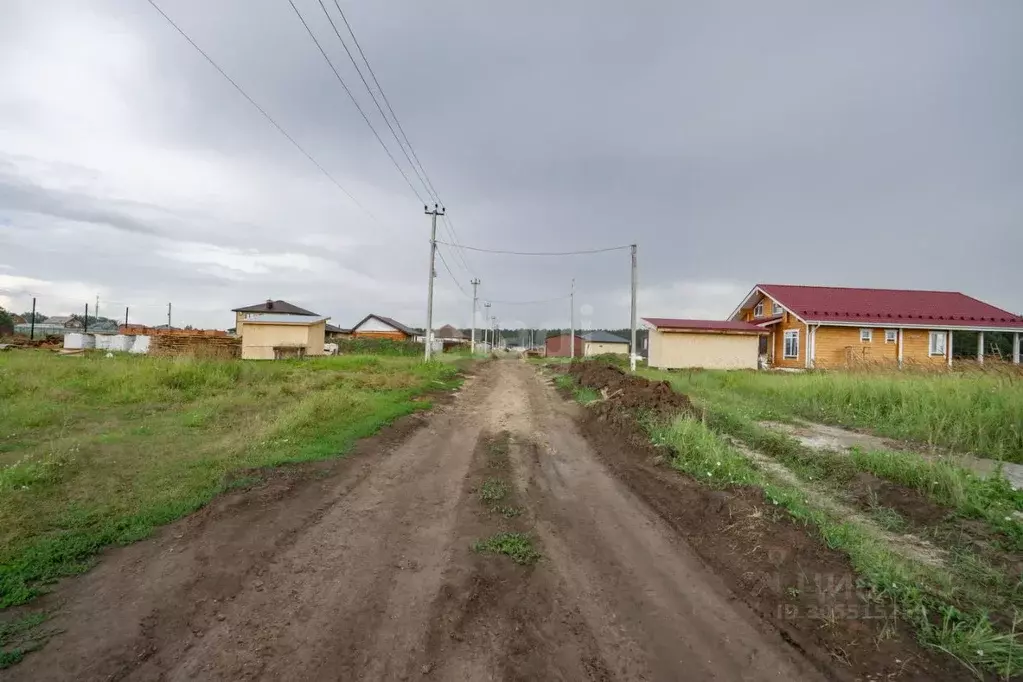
(420, 172)
(540, 253)
(428, 183)
(446, 267)
(546, 300)
(354, 101)
(372, 96)
(261, 110)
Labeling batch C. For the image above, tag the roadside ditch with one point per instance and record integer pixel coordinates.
(833, 586)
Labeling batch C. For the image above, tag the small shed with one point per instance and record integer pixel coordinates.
(604, 343)
(560, 346)
(710, 344)
(278, 329)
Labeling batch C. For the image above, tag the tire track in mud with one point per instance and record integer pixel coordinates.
(495, 618)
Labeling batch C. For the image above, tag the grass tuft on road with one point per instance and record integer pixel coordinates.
(98, 451)
(518, 546)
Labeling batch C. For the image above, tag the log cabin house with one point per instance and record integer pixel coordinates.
(827, 327)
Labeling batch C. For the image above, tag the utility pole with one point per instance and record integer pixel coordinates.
(168, 317)
(571, 333)
(429, 295)
(632, 353)
(487, 306)
(493, 335)
(472, 344)
(125, 316)
(32, 329)
(85, 328)
(96, 312)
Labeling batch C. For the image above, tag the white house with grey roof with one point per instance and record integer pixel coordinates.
(604, 343)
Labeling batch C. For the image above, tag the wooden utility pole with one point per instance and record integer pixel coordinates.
(472, 344)
(433, 258)
(571, 333)
(32, 328)
(632, 347)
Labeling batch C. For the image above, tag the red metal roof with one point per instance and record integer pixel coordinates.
(705, 325)
(889, 306)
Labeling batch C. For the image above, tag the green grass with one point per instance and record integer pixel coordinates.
(518, 546)
(99, 451)
(991, 499)
(493, 491)
(966, 411)
(582, 394)
(948, 606)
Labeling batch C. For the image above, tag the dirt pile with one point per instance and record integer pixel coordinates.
(628, 392)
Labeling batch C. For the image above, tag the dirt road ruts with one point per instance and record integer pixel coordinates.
(365, 572)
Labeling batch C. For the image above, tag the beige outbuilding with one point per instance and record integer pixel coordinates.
(278, 329)
(604, 343)
(710, 344)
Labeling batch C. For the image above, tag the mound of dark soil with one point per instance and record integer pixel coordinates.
(628, 392)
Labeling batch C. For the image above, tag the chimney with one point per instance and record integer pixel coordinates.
(269, 304)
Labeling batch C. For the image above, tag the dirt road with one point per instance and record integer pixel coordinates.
(364, 571)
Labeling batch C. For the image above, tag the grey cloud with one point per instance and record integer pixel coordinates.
(865, 145)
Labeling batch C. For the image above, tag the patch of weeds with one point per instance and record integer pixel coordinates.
(508, 512)
(585, 395)
(990, 499)
(493, 491)
(241, 483)
(16, 640)
(888, 519)
(497, 449)
(518, 546)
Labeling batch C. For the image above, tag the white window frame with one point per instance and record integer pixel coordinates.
(758, 311)
(932, 347)
(891, 335)
(776, 309)
(866, 335)
(794, 335)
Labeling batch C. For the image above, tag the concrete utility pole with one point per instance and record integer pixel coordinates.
(487, 306)
(96, 312)
(571, 333)
(632, 351)
(168, 316)
(32, 329)
(86, 326)
(433, 257)
(472, 345)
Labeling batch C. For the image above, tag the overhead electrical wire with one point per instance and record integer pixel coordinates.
(351, 57)
(261, 110)
(540, 253)
(351, 96)
(403, 141)
(546, 300)
(453, 278)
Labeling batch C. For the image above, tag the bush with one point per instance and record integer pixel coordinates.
(379, 347)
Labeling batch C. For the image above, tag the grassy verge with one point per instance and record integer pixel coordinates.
(949, 606)
(98, 451)
(990, 499)
(967, 412)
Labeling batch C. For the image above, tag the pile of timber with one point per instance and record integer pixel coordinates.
(195, 345)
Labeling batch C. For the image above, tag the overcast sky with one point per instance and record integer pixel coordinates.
(867, 143)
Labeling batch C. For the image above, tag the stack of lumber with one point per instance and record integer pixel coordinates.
(195, 345)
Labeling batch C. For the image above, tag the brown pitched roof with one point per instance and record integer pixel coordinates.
(389, 321)
(449, 332)
(280, 307)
